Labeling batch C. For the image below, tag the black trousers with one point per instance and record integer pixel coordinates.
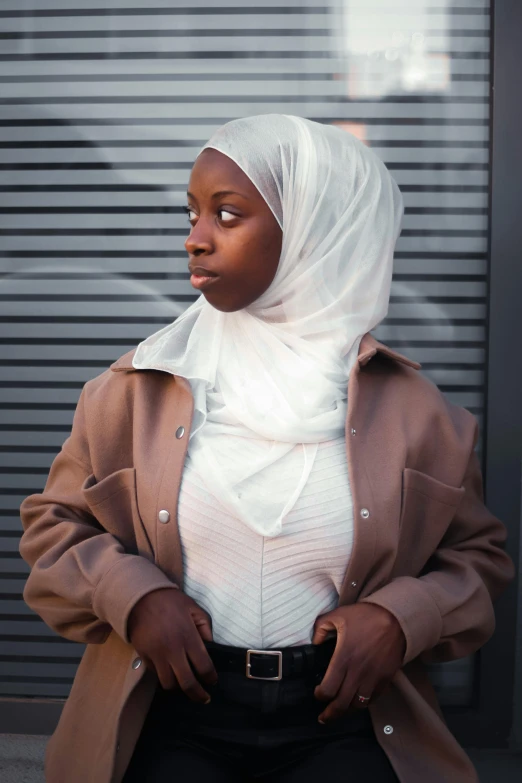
(255, 730)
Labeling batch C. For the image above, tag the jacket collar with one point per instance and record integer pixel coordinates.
(368, 347)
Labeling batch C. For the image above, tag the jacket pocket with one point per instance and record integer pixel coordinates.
(113, 502)
(428, 506)
(431, 487)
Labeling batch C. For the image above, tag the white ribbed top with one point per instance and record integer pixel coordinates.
(267, 592)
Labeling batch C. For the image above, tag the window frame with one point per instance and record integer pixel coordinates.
(495, 718)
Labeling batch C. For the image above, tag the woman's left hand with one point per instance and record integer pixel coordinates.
(368, 653)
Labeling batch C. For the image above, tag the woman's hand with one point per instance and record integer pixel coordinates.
(369, 651)
(167, 628)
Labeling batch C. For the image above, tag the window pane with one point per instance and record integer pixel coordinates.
(105, 106)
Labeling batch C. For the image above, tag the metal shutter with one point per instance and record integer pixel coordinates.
(104, 105)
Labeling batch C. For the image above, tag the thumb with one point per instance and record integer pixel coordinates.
(323, 627)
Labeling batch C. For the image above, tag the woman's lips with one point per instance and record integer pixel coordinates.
(199, 282)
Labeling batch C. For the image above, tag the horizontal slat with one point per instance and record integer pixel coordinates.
(229, 21)
(23, 629)
(148, 154)
(25, 460)
(11, 565)
(466, 399)
(23, 481)
(41, 649)
(181, 89)
(15, 669)
(147, 242)
(9, 544)
(197, 134)
(280, 66)
(117, 286)
(12, 221)
(66, 6)
(225, 110)
(12, 587)
(34, 689)
(165, 23)
(125, 307)
(103, 202)
(28, 440)
(388, 332)
(167, 269)
(164, 176)
(14, 608)
(186, 43)
(107, 334)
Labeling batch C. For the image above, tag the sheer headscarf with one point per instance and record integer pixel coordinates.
(270, 381)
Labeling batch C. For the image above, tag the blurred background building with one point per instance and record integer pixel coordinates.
(104, 105)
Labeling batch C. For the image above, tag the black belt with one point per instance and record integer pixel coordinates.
(307, 660)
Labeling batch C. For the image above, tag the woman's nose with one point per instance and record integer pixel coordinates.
(197, 242)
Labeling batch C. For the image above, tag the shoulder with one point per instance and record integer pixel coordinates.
(120, 387)
(422, 407)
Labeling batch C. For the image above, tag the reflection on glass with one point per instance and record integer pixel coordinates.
(103, 114)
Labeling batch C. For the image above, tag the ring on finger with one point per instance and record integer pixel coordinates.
(362, 699)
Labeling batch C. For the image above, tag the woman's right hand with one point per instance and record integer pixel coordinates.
(167, 628)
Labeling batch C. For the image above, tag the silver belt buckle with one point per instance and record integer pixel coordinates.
(265, 652)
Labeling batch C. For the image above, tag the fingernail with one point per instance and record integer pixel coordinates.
(321, 721)
(207, 701)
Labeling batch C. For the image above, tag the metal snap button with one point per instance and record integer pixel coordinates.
(353, 431)
(388, 729)
(164, 516)
(354, 584)
(365, 513)
(180, 432)
(136, 663)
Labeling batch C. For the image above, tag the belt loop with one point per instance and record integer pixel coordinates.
(309, 651)
(299, 664)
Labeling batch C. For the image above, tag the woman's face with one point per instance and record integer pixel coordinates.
(233, 234)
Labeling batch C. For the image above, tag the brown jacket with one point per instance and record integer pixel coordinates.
(429, 551)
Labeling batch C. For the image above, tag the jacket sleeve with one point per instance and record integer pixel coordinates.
(447, 612)
(82, 582)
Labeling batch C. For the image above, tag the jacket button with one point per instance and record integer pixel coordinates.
(388, 729)
(136, 663)
(180, 432)
(353, 431)
(365, 513)
(164, 516)
(354, 584)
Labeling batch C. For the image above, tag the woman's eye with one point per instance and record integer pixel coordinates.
(231, 216)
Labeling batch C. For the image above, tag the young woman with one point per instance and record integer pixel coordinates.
(264, 522)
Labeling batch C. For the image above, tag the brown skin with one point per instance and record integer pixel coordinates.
(369, 651)
(238, 237)
(167, 628)
(234, 235)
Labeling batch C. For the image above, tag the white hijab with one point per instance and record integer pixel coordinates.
(270, 381)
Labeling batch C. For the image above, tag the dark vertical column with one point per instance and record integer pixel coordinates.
(504, 385)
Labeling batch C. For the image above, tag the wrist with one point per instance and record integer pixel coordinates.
(392, 626)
